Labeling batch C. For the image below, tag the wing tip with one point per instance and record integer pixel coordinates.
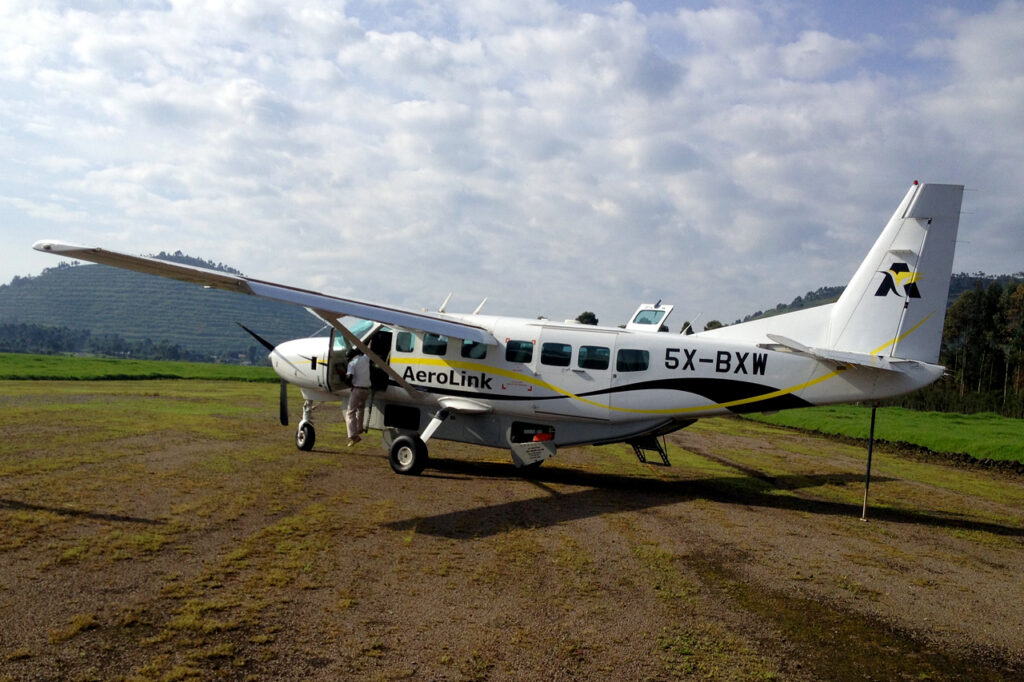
(54, 246)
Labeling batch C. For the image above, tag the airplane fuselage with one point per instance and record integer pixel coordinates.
(585, 384)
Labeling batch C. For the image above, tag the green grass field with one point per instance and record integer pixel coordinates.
(978, 435)
(982, 436)
(25, 366)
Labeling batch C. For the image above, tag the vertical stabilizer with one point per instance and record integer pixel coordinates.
(896, 302)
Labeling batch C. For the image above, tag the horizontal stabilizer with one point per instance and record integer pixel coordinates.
(839, 357)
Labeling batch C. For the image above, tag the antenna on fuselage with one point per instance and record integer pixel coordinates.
(480, 307)
(445, 304)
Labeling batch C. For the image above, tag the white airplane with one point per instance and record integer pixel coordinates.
(534, 385)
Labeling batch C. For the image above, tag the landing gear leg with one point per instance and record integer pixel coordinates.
(305, 437)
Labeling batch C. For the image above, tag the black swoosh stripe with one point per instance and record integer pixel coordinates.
(716, 390)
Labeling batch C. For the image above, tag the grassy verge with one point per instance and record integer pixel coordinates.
(63, 367)
(982, 436)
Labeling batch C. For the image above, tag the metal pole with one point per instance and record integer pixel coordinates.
(867, 475)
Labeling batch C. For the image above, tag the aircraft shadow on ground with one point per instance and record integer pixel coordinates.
(612, 493)
(17, 505)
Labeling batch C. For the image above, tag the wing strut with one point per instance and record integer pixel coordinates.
(376, 359)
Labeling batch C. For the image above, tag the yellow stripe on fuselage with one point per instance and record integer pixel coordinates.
(519, 376)
(902, 336)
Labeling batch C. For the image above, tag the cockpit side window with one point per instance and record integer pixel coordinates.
(435, 344)
(404, 342)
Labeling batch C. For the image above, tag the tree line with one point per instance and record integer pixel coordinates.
(42, 339)
(983, 351)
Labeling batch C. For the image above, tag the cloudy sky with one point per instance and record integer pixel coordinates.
(553, 156)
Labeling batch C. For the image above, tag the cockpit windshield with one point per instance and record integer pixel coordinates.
(359, 329)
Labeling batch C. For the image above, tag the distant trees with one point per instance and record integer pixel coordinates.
(819, 296)
(44, 340)
(586, 317)
(713, 324)
(179, 257)
(983, 348)
(33, 338)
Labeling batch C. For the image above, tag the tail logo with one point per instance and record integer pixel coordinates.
(899, 275)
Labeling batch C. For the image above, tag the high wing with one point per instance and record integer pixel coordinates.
(324, 305)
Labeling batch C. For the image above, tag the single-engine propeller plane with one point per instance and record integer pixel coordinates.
(532, 386)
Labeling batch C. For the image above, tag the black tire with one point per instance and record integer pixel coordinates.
(408, 455)
(305, 437)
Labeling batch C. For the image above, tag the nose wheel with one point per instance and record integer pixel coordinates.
(305, 436)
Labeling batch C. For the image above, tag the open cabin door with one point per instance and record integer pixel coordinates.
(333, 371)
(380, 343)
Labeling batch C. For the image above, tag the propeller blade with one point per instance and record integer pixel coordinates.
(284, 403)
(263, 342)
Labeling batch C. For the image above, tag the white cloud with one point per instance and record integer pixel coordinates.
(727, 157)
(816, 54)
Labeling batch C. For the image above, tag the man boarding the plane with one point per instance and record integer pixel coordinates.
(358, 374)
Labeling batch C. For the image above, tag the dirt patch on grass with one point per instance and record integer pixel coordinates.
(201, 556)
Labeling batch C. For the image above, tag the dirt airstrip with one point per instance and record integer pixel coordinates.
(170, 530)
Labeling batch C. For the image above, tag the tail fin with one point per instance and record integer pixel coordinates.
(896, 302)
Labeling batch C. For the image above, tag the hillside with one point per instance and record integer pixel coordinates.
(110, 301)
(958, 284)
(811, 299)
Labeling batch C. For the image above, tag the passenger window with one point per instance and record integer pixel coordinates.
(630, 360)
(435, 344)
(474, 350)
(594, 357)
(557, 354)
(519, 351)
(403, 342)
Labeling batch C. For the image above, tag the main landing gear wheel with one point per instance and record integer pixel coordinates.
(408, 455)
(305, 437)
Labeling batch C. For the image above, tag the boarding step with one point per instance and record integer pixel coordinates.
(647, 444)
